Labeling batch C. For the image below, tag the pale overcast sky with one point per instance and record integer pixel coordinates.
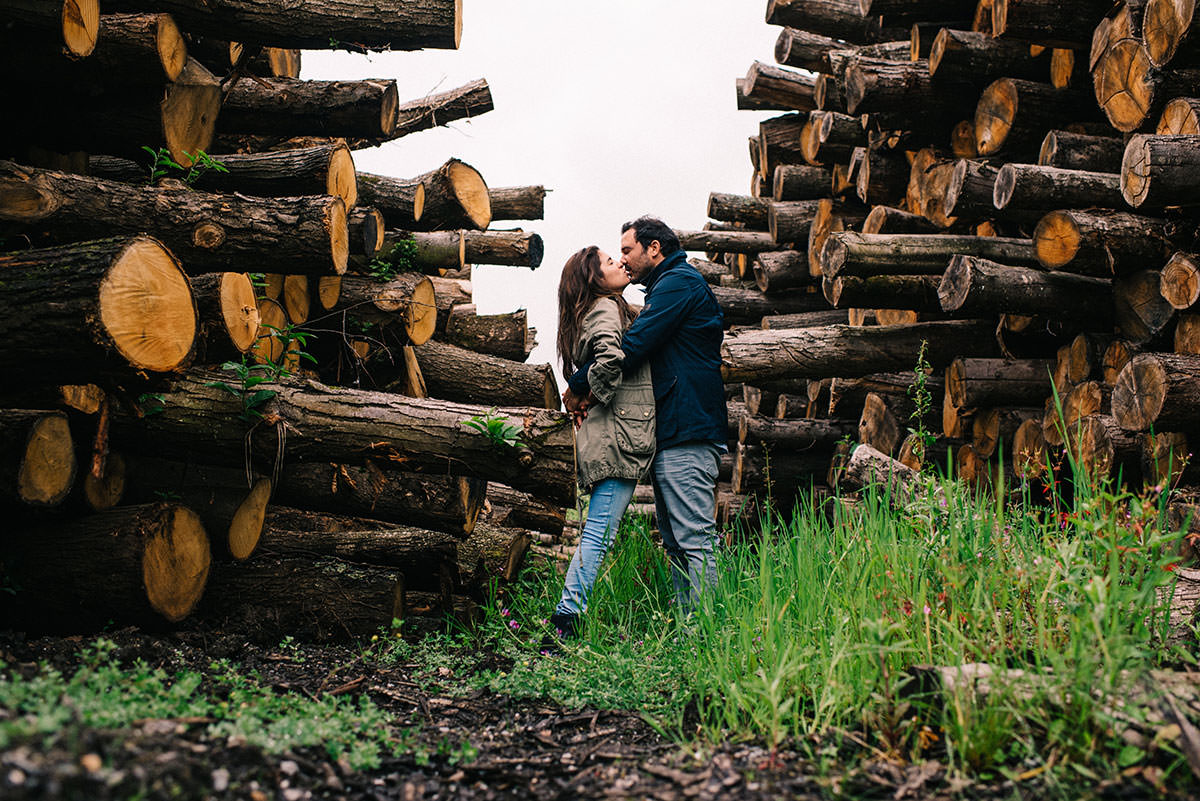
(621, 107)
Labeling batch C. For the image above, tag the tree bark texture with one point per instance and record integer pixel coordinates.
(847, 350)
(351, 426)
(205, 231)
(505, 335)
(291, 107)
(849, 253)
(137, 564)
(1076, 151)
(319, 24)
(998, 382)
(977, 286)
(1030, 186)
(517, 202)
(1101, 243)
(1160, 170)
(464, 376)
(117, 304)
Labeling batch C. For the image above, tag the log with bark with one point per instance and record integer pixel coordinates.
(228, 316)
(310, 421)
(1030, 186)
(882, 177)
(805, 319)
(505, 335)
(913, 293)
(726, 241)
(840, 19)
(779, 474)
(847, 395)
(136, 564)
(803, 49)
(748, 306)
(133, 50)
(408, 301)
(75, 22)
(889, 220)
(1131, 90)
(779, 87)
(180, 116)
(510, 508)
(790, 221)
(1102, 449)
(230, 501)
(1013, 115)
(205, 231)
(384, 25)
(781, 269)
(998, 382)
(1100, 242)
(848, 350)
(876, 85)
(465, 376)
(517, 202)
(751, 212)
(870, 470)
(1159, 390)
(37, 458)
(289, 107)
(1160, 170)
(778, 143)
(1142, 314)
(853, 254)
(1049, 23)
(979, 58)
(799, 182)
(1166, 460)
(455, 196)
(458, 248)
(1068, 150)
(112, 304)
(929, 181)
(978, 286)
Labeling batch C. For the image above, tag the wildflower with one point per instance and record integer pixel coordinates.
(927, 610)
(514, 625)
(504, 612)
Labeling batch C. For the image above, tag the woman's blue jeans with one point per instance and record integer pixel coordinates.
(605, 509)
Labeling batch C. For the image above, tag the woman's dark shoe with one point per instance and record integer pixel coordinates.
(566, 627)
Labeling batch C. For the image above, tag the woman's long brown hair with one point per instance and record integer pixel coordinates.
(578, 289)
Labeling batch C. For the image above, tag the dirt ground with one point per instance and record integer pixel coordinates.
(520, 749)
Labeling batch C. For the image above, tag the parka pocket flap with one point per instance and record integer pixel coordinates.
(633, 411)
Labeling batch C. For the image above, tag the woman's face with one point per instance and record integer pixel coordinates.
(612, 274)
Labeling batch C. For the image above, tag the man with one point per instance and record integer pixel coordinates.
(679, 332)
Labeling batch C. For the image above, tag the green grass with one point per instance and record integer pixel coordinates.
(816, 622)
(104, 694)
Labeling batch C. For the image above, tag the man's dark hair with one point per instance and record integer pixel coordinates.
(646, 229)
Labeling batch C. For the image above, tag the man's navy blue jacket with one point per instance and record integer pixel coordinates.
(679, 331)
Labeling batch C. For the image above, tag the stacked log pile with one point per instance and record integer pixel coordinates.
(243, 379)
(1007, 186)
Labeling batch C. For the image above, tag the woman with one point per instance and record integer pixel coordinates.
(615, 442)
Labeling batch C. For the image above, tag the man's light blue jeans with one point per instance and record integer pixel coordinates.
(606, 507)
(685, 486)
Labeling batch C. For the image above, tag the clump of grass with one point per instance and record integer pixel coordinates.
(103, 694)
(817, 622)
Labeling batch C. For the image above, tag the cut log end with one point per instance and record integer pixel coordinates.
(1164, 24)
(472, 193)
(1180, 117)
(342, 180)
(339, 236)
(1056, 240)
(329, 289)
(1138, 396)
(189, 112)
(1123, 84)
(175, 561)
(994, 115)
(420, 317)
(1029, 449)
(247, 524)
(239, 310)
(47, 470)
(1179, 283)
(171, 46)
(146, 307)
(80, 26)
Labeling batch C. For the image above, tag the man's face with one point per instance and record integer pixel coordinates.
(637, 260)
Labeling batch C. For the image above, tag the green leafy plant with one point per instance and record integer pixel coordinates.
(248, 376)
(402, 257)
(150, 403)
(496, 428)
(922, 404)
(163, 166)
